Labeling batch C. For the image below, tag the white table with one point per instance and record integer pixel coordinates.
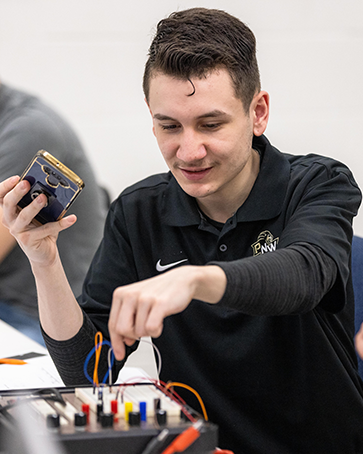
(39, 372)
(13, 342)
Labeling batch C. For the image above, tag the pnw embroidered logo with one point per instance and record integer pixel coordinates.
(265, 243)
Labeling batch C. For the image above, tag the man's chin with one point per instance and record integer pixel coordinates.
(195, 190)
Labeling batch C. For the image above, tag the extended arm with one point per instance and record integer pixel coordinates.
(290, 280)
(287, 281)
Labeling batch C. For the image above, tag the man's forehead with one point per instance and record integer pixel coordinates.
(159, 77)
(218, 85)
(173, 99)
(216, 113)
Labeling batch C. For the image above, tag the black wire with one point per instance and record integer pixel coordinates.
(52, 391)
(154, 445)
(44, 394)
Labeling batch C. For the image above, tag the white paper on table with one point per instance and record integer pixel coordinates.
(37, 373)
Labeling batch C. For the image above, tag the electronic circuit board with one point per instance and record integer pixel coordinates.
(122, 419)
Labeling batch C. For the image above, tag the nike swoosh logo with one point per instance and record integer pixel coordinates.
(160, 267)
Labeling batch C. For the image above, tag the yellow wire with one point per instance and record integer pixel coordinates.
(98, 348)
(194, 392)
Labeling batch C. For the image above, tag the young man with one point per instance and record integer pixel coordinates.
(236, 262)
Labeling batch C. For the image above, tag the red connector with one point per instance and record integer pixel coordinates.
(222, 451)
(185, 439)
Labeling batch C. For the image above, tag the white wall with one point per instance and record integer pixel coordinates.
(86, 58)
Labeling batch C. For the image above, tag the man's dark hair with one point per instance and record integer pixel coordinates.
(196, 41)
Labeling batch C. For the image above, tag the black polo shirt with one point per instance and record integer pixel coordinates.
(274, 384)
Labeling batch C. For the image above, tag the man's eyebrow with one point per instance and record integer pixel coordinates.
(162, 117)
(211, 114)
(214, 113)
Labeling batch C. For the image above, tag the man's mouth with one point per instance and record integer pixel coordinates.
(195, 173)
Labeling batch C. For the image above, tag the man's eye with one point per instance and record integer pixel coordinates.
(169, 127)
(212, 125)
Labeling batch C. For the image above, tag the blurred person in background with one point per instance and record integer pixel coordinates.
(27, 125)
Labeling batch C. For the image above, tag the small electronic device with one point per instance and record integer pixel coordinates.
(49, 176)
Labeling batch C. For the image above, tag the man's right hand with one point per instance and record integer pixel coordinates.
(38, 242)
(60, 315)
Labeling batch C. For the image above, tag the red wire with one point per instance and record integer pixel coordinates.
(222, 451)
(182, 441)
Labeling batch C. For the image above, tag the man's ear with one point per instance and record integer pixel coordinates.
(260, 109)
(153, 128)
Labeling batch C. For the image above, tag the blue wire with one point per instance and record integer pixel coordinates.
(89, 356)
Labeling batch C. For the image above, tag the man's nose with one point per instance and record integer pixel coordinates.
(191, 147)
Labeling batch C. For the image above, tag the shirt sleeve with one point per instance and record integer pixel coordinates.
(289, 281)
(71, 356)
(322, 204)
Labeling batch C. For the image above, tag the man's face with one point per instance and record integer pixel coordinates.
(205, 138)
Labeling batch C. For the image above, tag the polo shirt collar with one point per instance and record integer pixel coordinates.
(264, 201)
(179, 209)
(268, 193)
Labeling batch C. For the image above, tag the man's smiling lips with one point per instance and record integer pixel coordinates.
(195, 173)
